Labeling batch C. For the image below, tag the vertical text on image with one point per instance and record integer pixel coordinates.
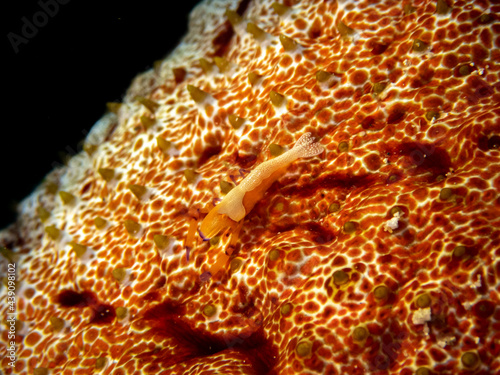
(11, 313)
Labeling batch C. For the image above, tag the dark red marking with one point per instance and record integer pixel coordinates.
(368, 122)
(151, 296)
(476, 89)
(208, 152)
(425, 156)
(389, 345)
(167, 320)
(394, 177)
(486, 143)
(331, 181)
(319, 234)
(245, 161)
(221, 41)
(450, 60)
(379, 48)
(494, 142)
(479, 53)
(70, 298)
(101, 313)
(484, 309)
(396, 115)
(437, 355)
(423, 78)
(242, 7)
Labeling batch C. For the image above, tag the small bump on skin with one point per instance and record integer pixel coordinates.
(113, 107)
(360, 334)
(344, 30)
(432, 115)
(190, 175)
(423, 371)
(254, 78)
(207, 68)
(379, 87)
(179, 74)
(334, 207)
(276, 98)
(340, 277)
(419, 46)
(274, 255)
(209, 310)
(423, 301)
(381, 293)
(121, 312)
(286, 309)
(161, 241)
(288, 44)
(163, 145)
(343, 147)
(147, 122)
(99, 222)
(470, 360)
(408, 9)
(89, 149)
(133, 228)
(78, 249)
(233, 17)
(323, 76)
(280, 9)
(119, 274)
(198, 95)
(256, 32)
(56, 323)
(9, 255)
(226, 187)
(148, 103)
(100, 363)
(235, 265)
(222, 64)
(459, 251)
(442, 7)
(276, 150)
(52, 232)
(445, 194)
(138, 190)
(235, 121)
(350, 227)
(43, 214)
(465, 70)
(214, 241)
(51, 187)
(107, 174)
(67, 198)
(303, 348)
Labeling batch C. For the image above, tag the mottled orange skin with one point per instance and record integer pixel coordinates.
(405, 98)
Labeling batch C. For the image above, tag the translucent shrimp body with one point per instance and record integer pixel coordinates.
(241, 199)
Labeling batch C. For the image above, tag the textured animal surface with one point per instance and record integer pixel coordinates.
(377, 256)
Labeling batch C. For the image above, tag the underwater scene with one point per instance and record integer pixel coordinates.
(299, 187)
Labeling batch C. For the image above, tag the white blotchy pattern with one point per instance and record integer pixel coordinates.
(316, 283)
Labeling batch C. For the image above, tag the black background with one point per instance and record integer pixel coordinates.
(57, 85)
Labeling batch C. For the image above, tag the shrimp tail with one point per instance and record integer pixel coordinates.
(305, 147)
